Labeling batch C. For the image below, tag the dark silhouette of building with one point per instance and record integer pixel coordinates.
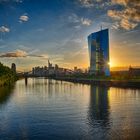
(134, 71)
(50, 70)
(13, 67)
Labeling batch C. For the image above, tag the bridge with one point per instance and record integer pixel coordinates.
(30, 74)
(24, 74)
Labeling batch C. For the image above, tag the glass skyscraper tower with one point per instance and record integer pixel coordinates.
(98, 44)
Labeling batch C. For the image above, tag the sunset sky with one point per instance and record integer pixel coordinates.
(31, 31)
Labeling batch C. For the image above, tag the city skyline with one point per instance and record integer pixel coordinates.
(31, 32)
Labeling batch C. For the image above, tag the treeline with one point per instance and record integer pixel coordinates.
(7, 76)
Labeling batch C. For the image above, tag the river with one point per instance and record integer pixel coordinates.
(47, 109)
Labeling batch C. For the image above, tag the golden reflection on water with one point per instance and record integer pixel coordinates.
(101, 112)
(44, 89)
(124, 108)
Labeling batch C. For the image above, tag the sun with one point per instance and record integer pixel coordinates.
(110, 64)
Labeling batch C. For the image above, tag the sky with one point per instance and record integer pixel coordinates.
(33, 31)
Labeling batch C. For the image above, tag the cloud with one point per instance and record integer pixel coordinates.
(126, 2)
(115, 26)
(45, 56)
(4, 29)
(18, 1)
(93, 3)
(24, 18)
(21, 53)
(129, 16)
(39, 56)
(6, 1)
(126, 24)
(86, 21)
(74, 18)
(18, 53)
(79, 21)
(86, 3)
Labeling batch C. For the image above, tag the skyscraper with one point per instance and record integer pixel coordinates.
(98, 44)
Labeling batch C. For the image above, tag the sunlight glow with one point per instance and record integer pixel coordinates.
(110, 64)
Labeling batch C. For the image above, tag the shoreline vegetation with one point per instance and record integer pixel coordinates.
(7, 76)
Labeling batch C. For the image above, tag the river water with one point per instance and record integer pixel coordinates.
(46, 109)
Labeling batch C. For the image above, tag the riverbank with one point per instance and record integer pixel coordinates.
(6, 80)
(103, 82)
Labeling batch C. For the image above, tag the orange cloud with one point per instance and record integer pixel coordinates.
(129, 17)
(18, 53)
(21, 53)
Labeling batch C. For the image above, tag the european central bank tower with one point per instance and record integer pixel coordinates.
(98, 44)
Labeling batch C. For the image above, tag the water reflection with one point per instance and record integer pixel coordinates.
(50, 88)
(99, 111)
(48, 109)
(5, 93)
(26, 81)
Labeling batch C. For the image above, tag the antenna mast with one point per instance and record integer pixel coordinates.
(101, 27)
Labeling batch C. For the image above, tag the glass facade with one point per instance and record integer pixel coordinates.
(98, 44)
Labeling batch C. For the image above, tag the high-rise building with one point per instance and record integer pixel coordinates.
(13, 67)
(98, 44)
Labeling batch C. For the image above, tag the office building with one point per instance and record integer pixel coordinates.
(98, 44)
